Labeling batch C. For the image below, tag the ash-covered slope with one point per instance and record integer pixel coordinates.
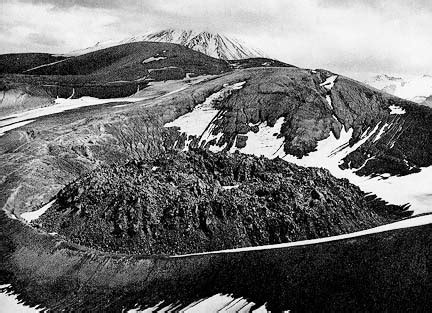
(199, 201)
(213, 44)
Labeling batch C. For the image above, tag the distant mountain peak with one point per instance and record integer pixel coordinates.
(417, 89)
(213, 44)
(385, 77)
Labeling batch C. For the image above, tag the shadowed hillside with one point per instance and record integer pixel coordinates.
(17, 63)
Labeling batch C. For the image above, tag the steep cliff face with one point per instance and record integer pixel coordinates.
(302, 108)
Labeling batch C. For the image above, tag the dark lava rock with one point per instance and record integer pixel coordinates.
(177, 204)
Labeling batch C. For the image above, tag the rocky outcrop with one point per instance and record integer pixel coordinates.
(200, 201)
(310, 111)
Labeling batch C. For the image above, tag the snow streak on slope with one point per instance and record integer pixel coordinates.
(31, 216)
(394, 109)
(212, 44)
(216, 303)
(198, 123)
(406, 223)
(264, 142)
(415, 89)
(17, 120)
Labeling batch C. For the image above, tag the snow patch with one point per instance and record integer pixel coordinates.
(9, 303)
(328, 98)
(152, 59)
(9, 127)
(31, 216)
(394, 109)
(381, 131)
(198, 121)
(264, 142)
(61, 104)
(329, 82)
(230, 187)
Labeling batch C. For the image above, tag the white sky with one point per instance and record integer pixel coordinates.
(353, 37)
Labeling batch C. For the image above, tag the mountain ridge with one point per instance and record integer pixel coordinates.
(213, 44)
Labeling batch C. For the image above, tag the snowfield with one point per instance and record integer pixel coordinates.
(10, 303)
(14, 121)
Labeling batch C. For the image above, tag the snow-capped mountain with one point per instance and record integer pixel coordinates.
(416, 89)
(213, 44)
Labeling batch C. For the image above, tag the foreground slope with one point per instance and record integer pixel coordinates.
(381, 271)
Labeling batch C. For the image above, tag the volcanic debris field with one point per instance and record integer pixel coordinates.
(186, 202)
